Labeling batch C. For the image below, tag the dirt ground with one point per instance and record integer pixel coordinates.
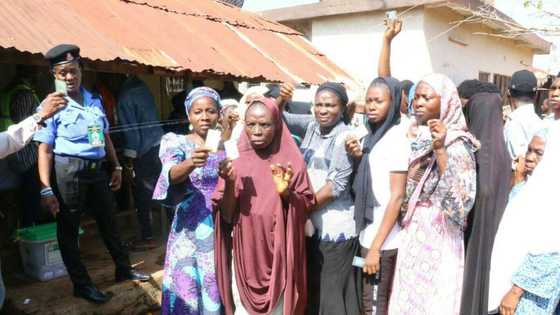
(27, 296)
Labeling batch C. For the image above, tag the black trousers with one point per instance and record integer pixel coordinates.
(30, 198)
(384, 283)
(334, 285)
(84, 187)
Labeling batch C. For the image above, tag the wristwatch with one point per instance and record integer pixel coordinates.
(39, 120)
(118, 168)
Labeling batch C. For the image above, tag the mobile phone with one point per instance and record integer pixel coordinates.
(60, 86)
(391, 15)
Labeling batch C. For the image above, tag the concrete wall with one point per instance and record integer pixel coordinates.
(354, 42)
(461, 54)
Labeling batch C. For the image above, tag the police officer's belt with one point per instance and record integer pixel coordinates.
(91, 165)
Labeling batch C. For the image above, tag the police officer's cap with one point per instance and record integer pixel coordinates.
(523, 81)
(62, 54)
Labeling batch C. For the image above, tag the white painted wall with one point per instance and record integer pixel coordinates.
(481, 53)
(354, 42)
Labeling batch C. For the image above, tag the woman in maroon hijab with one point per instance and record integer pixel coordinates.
(261, 202)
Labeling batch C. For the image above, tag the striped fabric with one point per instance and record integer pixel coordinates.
(23, 105)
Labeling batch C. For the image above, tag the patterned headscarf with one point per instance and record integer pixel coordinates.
(199, 92)
(451, 114)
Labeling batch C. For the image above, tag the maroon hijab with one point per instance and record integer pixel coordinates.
(267, 243)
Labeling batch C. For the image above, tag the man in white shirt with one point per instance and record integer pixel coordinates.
(522, 124)
(18, 135)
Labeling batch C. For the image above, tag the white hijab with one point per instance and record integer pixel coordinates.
(530, 222)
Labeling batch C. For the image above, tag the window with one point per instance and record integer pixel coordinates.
(502, 81)
(484, 76)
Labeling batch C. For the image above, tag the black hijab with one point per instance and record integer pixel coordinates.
(340, 91)
(493, 163)
(363, 193)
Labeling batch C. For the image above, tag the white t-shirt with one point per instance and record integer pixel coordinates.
(390, 154)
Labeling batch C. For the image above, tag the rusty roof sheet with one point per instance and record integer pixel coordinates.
(200, 36)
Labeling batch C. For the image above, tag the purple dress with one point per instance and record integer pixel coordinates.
(189, 280)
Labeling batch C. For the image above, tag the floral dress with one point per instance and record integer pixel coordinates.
(429, 272)
(189, 280)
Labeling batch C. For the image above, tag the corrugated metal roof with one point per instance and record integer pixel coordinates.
(201, 36)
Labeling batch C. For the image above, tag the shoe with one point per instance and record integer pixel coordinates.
(131, 274)
(92, 294)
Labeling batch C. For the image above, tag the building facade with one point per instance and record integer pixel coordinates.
(431, 40)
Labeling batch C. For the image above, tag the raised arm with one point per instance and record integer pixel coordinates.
(393, 28)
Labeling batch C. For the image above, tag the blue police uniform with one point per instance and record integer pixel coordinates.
(82, 182)
(67, 131)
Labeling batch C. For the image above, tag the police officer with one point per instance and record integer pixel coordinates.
(76, 143)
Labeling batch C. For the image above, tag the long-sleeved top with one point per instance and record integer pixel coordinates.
(137, 110)
(539, 277)
(523, 123)
(327, 161)
(17, 136)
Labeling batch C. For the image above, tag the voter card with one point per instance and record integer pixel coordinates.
(232, 152)
(237, 131)
(359, 132)
(358, 262)
(96, 138)
(60, 86)
(213, 138)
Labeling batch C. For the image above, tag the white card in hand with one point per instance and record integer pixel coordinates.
(232, 152)
(358, 262)
(359, 132)
(213, 138)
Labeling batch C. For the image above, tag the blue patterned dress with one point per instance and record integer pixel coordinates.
(539, 277)
(189, 280)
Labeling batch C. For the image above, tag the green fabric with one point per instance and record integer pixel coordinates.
(43, 232)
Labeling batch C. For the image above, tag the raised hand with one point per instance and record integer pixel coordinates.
(52, 104)
(286, 93)
(353, 148)
(519, 174)
(438, 131)
(282, 177)
(226, 171)
(393, 28)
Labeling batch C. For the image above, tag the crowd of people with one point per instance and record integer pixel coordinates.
(429, 200)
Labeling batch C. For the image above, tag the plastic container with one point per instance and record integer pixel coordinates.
(39, 251)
